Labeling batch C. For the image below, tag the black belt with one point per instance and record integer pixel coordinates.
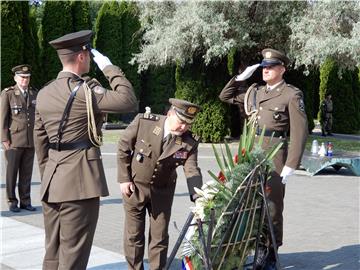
(71, 145)
(269, 133)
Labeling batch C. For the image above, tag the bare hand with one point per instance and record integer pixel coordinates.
(6, 145)
(127, 188)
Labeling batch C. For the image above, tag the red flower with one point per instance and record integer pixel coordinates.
(267, 190)
(221, 177)
(236, 159)
(243, 151)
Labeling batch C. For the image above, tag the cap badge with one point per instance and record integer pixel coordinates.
(268, 55)
(191, 110)
(25, 68)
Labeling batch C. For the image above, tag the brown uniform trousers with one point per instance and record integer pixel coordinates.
(73, 180)
(152, 168)
(17, 124)
(281, 109)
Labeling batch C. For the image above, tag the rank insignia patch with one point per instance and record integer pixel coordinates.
(157, 130)
(181, 155)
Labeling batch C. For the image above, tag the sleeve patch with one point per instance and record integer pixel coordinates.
(301, 105)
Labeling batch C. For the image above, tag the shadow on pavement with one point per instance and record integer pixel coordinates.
(111, 201)
(344, 258)
(22, 212)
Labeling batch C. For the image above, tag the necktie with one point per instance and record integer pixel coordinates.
(25, 95)
(166, 141)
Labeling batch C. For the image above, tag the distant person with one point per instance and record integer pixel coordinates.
(326, 118)
(149, 151)
(279, 108)
(69, 116)
(17, 125)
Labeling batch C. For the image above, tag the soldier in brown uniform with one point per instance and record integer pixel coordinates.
(68, 120)
(17, 124)
(279, 108)
(149, 151)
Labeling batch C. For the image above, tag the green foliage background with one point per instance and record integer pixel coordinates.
(345, 95)
(26, 31)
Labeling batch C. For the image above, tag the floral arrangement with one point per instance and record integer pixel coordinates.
(233, 202)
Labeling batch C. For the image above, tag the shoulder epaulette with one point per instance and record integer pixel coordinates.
(9, 88)
(293, 87)
(150, 116)
(49, 82)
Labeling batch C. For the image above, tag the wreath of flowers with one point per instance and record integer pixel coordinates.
(234, 196)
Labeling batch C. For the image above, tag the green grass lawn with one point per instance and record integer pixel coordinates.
(339, 144)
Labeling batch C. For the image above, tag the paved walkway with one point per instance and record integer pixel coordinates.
(321, 229)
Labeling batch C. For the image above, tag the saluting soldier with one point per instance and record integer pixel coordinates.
(279, 108)
(149, 151)
(17, 124)
(69, 116)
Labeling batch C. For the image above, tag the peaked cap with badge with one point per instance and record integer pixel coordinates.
(73, 42)
(22, 70)
(185, 110)
(274, 57)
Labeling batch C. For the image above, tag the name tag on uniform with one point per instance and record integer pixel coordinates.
(181, 154)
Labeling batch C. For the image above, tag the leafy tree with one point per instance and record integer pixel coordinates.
(12, 45)
(56, 22)
(81, 15)
(343, 96)
(327, 29)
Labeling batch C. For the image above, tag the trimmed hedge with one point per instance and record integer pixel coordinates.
(12, 40)
(80, 15)
(345, 96)
(56, 22)
(201, 85)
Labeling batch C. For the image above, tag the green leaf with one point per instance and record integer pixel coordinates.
(218, 160)
(229, 156)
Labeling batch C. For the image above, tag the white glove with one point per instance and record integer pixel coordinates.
(101, 60)
(247, 73)
(286, 171)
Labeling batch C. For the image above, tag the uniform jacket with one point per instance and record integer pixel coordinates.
(17, 116)
(141, 160)
(281, 109)
(75, 174)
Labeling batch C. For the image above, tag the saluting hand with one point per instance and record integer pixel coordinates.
(101, 60)
(127, 188)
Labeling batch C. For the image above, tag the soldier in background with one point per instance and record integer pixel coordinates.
(149, 151)
(279, 107)
(67, 135)
(17, 125)
(326, 118)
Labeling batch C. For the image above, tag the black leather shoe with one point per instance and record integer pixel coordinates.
(270, 265)
(28, 207)
(261, 259)
(330, 134)
(14, 208)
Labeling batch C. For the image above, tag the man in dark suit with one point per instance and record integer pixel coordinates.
(69, 115)
(149, 151)
(17, 125)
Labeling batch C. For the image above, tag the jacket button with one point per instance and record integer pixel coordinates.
(177, 163)
(261, 108)
(259, 117)
(153, 176)
(155, 170)
(158, 163)
(151, 182)
(141, 150)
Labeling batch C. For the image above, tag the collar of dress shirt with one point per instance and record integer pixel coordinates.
(271, 87)
(166, 128)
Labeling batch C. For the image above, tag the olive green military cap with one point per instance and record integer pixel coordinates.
(273, 57)
(22, 70)
(73, 42)
(185, 110)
